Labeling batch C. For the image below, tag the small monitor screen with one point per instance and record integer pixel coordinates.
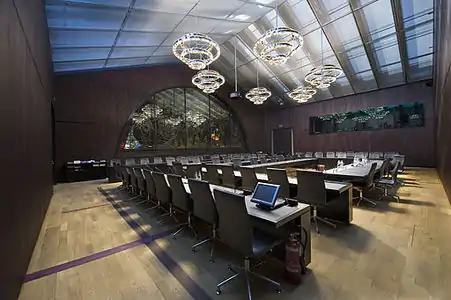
(265, 193)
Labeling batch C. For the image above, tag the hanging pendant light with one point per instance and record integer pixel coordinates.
(197, 50)
(258, 95)
(208, 80)
(302, 94)
(277, 45)
(323, 76)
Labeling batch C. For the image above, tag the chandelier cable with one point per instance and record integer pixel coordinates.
(236, 77)
(277, 13)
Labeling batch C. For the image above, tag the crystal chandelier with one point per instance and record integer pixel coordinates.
(277, 45)
(197, 50)
(152, 110)
(323, 76)
(302, 94)
(258, 95)
(208, 80)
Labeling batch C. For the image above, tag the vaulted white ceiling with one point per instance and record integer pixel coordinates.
(377, 43)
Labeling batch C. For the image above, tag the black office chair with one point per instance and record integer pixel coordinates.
(125, 178)
(312, 190)
(365, 185)
(204, 208)
(140, 182)
(212, 175)
(151, 189)
(248, 179)
(385, 183)
(384, 168)
(228, 177)
(163, 192)
(279, 176)
(193, 171)
(133, 180)
(181, 201)
(235, 230)
(178, 169)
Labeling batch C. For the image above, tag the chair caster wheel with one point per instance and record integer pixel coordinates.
(193, 250)
(229, 267)
(218, 292)
(212, 261)
(278, 291)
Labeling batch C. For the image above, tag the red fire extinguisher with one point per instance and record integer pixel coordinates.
(292, 261)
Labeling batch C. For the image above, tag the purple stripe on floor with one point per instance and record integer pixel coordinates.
(95, 256)
(189, 284)
(84, 208)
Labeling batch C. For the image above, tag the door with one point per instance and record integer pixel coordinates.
(282, 141)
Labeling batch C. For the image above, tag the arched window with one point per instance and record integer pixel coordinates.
(183, 118)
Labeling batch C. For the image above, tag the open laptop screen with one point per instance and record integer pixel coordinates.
(265, 193)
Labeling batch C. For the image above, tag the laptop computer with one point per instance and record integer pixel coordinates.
(265, 195)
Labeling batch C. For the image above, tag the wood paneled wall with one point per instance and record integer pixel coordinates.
(92, 108)
(416, 143)
(26, 136)
(443, 92)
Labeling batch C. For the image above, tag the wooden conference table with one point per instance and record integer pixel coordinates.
(273, 221)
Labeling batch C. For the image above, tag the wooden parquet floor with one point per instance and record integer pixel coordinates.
(393, 251)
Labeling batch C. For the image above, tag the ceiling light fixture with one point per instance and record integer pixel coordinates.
(277, 45)
(302, 94)
(323, 76)
(197, 50)
(208, 80)
(258, 95)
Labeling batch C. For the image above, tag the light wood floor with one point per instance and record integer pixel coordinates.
(394, 251)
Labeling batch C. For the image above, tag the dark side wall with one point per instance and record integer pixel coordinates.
(416, 143)
(25, 138)
(91, 109)
(443, 92)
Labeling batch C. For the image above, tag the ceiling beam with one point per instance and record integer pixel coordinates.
(365, 37)
(347, 70)
(401, 36)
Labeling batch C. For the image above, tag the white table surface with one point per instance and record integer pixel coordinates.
(355, 170)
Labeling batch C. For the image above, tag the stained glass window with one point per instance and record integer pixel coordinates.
(183, 118)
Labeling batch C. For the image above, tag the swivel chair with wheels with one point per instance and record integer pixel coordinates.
(235, 231)
(204, 208)
(312, 190)
(365, 185)
(385, 183)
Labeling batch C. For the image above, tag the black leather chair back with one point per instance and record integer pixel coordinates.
(279, 176)
(150, 183)
(162, 189)
(212, 175)
(369, 179)
(125, 175)
(311, 188)
(133, 179)
(178, 168)
(384, 167)
(234, 222)
(394, 172)
(228, 177)
(192, 171)
(249, 179)
(204, 206)
(140, 178)
(180, 198)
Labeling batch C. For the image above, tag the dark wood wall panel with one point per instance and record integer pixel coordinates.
(25, 140)
(443, 93)
(92, 108)
(416, 143)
